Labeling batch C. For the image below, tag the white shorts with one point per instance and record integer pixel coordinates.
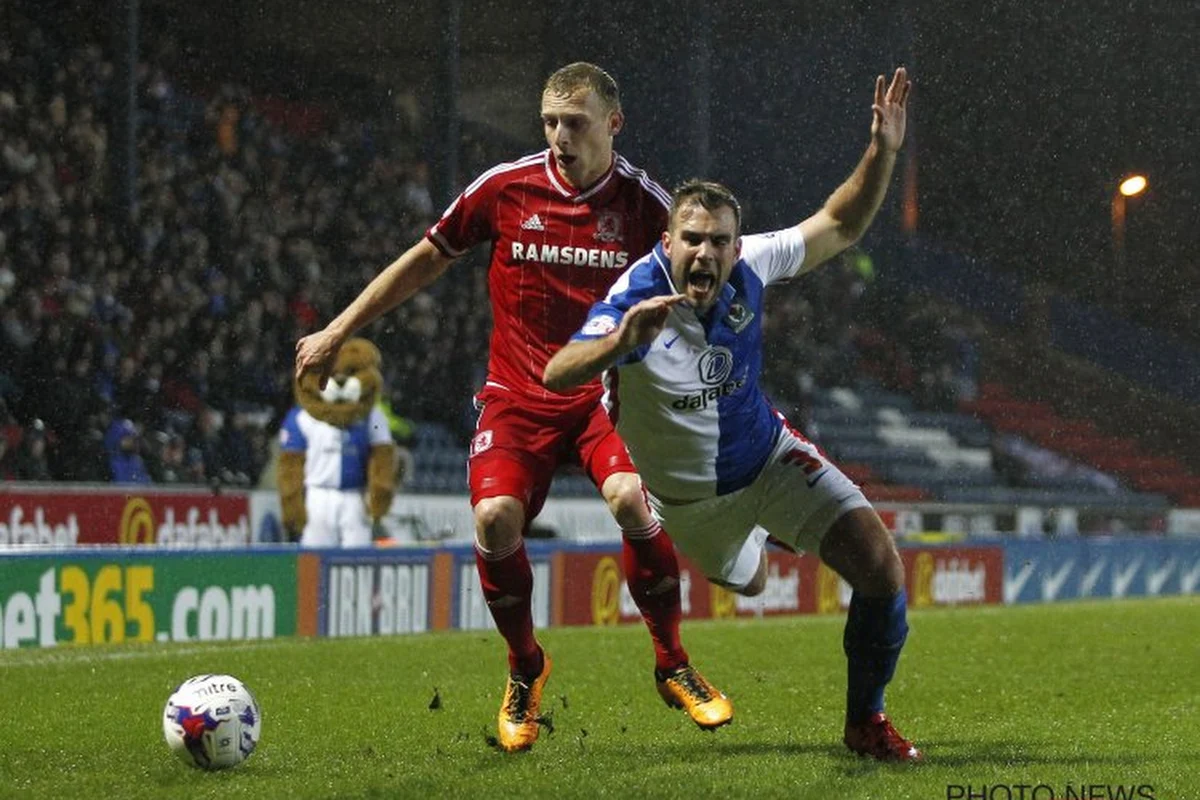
(336, 517)
(796, 498)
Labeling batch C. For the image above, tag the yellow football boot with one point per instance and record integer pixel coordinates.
(520, 711)
(686, 688)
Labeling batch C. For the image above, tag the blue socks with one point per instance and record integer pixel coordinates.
(876, 628)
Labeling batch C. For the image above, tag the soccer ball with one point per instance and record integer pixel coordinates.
(212, 721)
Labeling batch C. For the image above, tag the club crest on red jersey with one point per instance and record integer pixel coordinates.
(610, 227)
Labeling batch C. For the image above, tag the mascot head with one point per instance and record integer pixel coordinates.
(352, 390)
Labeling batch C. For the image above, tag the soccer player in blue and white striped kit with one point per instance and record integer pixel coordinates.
(679, 340)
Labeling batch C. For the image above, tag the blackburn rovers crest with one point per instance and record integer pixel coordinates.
(739, 316)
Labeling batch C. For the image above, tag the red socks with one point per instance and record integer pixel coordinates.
(652, 573)
(507, 581)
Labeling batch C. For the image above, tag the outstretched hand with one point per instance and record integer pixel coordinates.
(645, 320)
(317, 352)
(890, 110)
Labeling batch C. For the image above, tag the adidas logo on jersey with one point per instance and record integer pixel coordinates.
(534, 223)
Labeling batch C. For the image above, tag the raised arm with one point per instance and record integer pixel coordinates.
(849, 211)
(419, 266)
(580, 361)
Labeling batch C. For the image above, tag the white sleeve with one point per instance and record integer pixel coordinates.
(774, 256)
(378, 430)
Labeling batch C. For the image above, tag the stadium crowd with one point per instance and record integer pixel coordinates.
(838, 328)
(160, 350)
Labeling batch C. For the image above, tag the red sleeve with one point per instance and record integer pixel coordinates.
(468, 220)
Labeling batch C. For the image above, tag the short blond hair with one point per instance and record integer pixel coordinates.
(566, 81)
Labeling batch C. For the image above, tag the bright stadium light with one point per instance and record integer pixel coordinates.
(1129, 187)
(1134, 184)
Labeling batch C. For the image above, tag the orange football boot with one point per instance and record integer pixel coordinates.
(520, 712)
(686, 688)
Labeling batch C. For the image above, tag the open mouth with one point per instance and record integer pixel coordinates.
(701, 281)
(565, 160)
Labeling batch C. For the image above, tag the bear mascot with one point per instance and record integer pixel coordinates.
(337, 460)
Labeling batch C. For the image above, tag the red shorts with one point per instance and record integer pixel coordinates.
(516, 448)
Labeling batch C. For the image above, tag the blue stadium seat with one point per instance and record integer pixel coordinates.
(965, 428)
(835, 433)
(873, 397)
(940, 479)
(1050, 497)
(879, 455)
(842, 416)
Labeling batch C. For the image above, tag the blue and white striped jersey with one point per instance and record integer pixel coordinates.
(688, 405)
(335, 458)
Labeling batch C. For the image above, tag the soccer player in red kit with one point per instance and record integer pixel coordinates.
(562, 224)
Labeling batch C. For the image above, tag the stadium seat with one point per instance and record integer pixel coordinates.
(1080, 439)
(884, 493)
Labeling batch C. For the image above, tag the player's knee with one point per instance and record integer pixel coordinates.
(861, 549)
(623, 494)
(885, 572)
(498, 522)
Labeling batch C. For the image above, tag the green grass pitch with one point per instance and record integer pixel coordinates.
(1098, 694)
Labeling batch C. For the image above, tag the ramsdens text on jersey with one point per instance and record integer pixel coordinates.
(702, 399)
(568, 256)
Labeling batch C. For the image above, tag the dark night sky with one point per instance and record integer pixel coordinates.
(1028, 114)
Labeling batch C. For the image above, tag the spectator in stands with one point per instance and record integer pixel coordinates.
(939, 343)
(85, 458)
(164, 457)
(124, 456)
(236, 217)
(32, 460)
(10, 437)
(242, 449)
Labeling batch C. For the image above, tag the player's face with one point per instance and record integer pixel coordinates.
(579, 130)
(703, 246)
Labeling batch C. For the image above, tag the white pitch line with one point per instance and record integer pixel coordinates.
(84, 654)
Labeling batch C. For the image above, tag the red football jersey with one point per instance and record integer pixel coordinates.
(555, 251)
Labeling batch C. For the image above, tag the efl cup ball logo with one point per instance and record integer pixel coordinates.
(212, 721)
